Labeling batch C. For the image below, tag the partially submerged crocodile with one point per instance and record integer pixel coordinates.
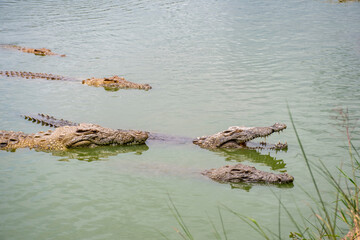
(36, 51)
(241, 173)
(113, 83)
(68, 135)
(240, 137)
(232, 138)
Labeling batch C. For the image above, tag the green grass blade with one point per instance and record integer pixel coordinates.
(279, 218)
(347, 177)
(216, 233)
(251, 222)
(289, 214)
(222, 224)
(163, 235)
(356, 151)
(309, 168)
(180, 220)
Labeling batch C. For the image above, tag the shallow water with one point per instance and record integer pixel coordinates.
(212, 64)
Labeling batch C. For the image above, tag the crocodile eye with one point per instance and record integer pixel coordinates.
(86, 131)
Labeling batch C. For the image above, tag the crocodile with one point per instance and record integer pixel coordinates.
(240, 173)
(240, 137)
(232, 138)
(113, 83)
(36, 51)
(69, 135)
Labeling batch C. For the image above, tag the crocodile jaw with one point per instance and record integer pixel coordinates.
(237, 137)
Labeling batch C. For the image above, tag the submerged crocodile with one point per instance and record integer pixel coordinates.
(240, 137)
(68, 135)
(113, 83)
(36, 51)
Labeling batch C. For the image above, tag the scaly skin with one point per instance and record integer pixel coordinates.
(111, 84)
(241, 173)
(67, 137)
(234, 137)
(36, 51)
(239, 137)
(114, 83)
(33, 75)
(47, 120)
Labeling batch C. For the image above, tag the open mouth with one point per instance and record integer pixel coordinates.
(240, 137)
(265, 145)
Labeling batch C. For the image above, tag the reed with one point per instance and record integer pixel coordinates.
(344, 208)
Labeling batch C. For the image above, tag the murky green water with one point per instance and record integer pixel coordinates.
(212, 64)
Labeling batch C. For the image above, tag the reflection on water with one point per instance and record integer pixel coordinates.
(242, 155)
(248, 186)
(98, 153)
(213, 64)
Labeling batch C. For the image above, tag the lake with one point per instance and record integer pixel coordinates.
(212, 64)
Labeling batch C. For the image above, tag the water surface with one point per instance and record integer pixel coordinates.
(212, 64)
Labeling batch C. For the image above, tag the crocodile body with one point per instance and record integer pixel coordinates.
(108, 83)
(233, 138)
(241, 173)
(67, 137)
(36, 51)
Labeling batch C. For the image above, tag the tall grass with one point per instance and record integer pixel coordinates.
(344, 208)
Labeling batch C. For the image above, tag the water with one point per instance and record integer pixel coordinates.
(212, 64)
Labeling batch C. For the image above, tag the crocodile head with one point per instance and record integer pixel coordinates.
(241, 173)
(114, 83)
(42, 51)
(238, 137)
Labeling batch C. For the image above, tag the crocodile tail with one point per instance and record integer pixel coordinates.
(47, 120)
(35, 75)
